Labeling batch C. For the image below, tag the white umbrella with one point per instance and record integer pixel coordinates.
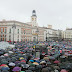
(10, 52)
(6, 54)
(11, 64)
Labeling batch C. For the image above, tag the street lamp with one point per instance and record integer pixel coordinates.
(14, 27)
(37, 34)
(46, 36)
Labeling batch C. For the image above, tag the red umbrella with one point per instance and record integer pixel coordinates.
(21, 52)
(63, 70)
(3, 65)
(56, 61)
(23, 61)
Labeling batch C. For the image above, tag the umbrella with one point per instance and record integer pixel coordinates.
(16, 69)
(46, 58)
(31, 68)
(56, 67)
(49, 63)
(63, 70)
(23, 61)
(68, 66)
(5, 68)
(5, 71)
(22, 71)
(11, 64)
(4, 62)
(45, 70)
(25, 65)
(38, 66)
(31, 65)
(49, 68)
(8, 59)
(52, 58)
(36, 58)
(17, 62)
(5, 54)
(62, 56)
(31, 60)
(56, 61)
(35, 63)
(28, 71)
(21, 58)
(3, 65)
(42, 62)
(10, 52)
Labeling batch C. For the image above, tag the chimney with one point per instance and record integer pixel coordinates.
(50, 26)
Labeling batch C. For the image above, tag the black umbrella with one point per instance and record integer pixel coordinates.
(38, 66)
(28, 70)
(68, 66)
(5, 71)
(8, 59)
(49, 68)
(31, 68)
(48, 63)
(62, 67)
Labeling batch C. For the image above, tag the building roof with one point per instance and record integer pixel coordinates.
(69, 29)
(11, 21)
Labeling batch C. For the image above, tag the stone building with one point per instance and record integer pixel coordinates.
(68, 34)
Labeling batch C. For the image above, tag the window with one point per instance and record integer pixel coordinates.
(18, 31)
(21, 39)
(1, 35)
(10, 31)
(1, 30)
(5, 35)
(5, 39)
(18, 36)
(1, 39)
(24, 31)
(9, 37)
(18, 39)
(5, 30)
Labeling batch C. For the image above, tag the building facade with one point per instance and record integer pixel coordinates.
(30, 31)
(68, 34)
(52, 34)
(22, 32)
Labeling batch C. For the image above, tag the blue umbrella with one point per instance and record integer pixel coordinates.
(37, 61)
(5, 68)
(31, 60)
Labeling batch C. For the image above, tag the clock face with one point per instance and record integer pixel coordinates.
(32, 19)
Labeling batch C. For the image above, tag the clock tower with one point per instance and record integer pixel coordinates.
(34, 18)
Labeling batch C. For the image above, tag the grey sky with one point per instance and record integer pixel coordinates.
(55, 12)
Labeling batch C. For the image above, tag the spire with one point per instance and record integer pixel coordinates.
(33, 13)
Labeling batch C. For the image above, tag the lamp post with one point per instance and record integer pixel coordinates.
(46, 36)
(14, 27)
(37, 34)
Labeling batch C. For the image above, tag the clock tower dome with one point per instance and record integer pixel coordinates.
(34, 18)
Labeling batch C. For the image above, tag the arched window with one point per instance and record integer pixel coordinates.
(18, 31)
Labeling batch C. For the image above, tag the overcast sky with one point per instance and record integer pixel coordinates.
(55, 12)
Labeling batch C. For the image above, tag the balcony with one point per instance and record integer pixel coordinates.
(34, 34)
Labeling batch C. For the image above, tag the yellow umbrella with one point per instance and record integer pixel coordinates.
(21, 58)
(35, 63)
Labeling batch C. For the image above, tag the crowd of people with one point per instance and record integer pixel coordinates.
(22, 58)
